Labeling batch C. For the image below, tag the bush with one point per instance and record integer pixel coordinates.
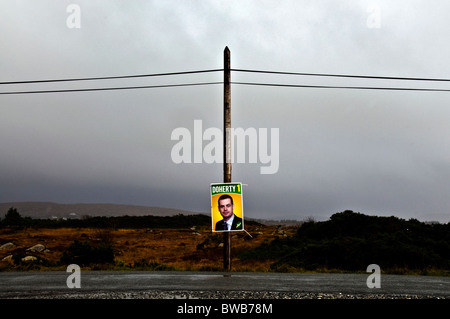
(12, 218)
(83, 254)
(351, 241)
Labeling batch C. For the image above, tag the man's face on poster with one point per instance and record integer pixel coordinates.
(226, 208)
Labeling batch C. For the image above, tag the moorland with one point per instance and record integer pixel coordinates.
(347, 242)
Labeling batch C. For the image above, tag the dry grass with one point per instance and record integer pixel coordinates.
(176, 248)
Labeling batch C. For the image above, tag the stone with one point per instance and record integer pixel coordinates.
(8, 258)
(37, 248)
(29, 258)
(7, 246)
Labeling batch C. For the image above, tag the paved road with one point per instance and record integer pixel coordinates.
(23, 284)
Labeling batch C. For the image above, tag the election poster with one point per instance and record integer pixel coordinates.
(227, 210)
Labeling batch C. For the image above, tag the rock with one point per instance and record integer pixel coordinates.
(7, 246)
(8, 258)
(29, 258)
(37, 248)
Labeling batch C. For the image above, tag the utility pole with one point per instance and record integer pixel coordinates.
(226, 147)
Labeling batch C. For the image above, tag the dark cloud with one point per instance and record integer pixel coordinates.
(378, 152)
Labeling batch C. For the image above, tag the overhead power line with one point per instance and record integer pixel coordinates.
(341, 87)
(110, 77)
(345, 75)
(214, 83)
(112, 88)
(220, 70)
(238, 83)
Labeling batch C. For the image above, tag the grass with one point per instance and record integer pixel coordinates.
(156, 249)
(139, 249)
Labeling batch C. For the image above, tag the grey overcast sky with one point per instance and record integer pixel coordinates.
(378, 152)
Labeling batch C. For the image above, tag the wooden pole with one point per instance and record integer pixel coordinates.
(227, 147)
(227, 117)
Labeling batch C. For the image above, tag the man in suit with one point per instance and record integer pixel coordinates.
(230, 221)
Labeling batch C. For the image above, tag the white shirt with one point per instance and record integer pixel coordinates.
(230, 222)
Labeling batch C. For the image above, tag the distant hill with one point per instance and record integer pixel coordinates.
(50, 210)
(44, 210)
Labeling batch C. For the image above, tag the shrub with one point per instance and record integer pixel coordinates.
(12, 218)
(83, 254)
(351, 241)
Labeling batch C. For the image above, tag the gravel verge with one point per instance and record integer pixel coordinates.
(198, 294)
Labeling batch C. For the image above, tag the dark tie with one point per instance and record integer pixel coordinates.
(225, 226)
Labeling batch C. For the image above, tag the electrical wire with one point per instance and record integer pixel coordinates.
(112, 88)
(238, 83)
(110, 77)
(340, 87)
(345, 75)
(214, 83)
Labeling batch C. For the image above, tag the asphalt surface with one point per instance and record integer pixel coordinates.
(126, 284)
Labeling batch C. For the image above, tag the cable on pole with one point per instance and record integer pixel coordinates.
(345, 75)
(341, 87)
(238, 83)
(112, 88)
(110, 77)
